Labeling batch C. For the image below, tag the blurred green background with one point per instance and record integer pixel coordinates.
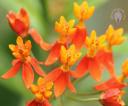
(43, 14)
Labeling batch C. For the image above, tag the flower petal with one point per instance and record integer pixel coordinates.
(27, 75)
(13, 71)
(53, 75)
(37, 38)
(60, 84)
(81, 69)
(110, 84)
(79, 37)
(36, 67)
(54, 54)
(70, 85)
(106, 59)
(95, 69)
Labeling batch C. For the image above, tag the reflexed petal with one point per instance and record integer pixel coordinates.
(79, 37)
(110, 84)
(54, 54)
(81, 69)
(70, 85)
(36, 67)
(106, 59)
(53, 75)
(27, 75)
(95, 69)
(13, 71)
(60, 84)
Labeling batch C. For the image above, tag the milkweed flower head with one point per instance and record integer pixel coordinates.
(112, 97)
(72, 62)
(21, 52)
(42, 92)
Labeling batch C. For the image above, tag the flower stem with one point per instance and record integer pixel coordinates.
(86, 94)
(84, 100)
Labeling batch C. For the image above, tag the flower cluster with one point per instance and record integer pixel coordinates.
(73, 64)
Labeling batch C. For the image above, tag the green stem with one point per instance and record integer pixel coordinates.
(87, 94)
(84, 100)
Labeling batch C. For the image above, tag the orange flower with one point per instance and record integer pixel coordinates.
(110, 84)
(83, 11)
(19, 22)
(65, 29)
(114, 37)
(68, 35)
(112, 97)
(61, 76)
(42, 92)
(23, 59)
(96, 58)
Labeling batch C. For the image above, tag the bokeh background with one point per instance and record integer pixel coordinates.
(43, 14)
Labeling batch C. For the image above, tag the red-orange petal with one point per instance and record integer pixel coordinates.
(13, 71)
(36, 103)
(79, 37)
(36, 67)
(70, 85)
(19, 27)
(106, 59)
(37, 38)
(27, 75)
(95, 69)
(53, 75)
(54, 54)
(60, 84)
(110, 84)
(81, 69)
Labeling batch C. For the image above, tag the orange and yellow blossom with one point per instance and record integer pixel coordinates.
(112, 97)
(20, 23)
(65, 29)
(21, 52)
(83, 12)
(68, 35)
(94, 61)
(61, 75)
(42, 92)
(114, 36)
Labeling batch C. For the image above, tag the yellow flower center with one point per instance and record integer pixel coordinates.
(21, 51)
(42, 90)
(94, 44)
(68, 57)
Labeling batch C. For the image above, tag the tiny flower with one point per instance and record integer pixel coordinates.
(94, 61)
(112, 97)
(19, 22)
(21, 52)
(65, 29)
(114, 37)
(83, 11)
(42, 92)
(61, 75)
